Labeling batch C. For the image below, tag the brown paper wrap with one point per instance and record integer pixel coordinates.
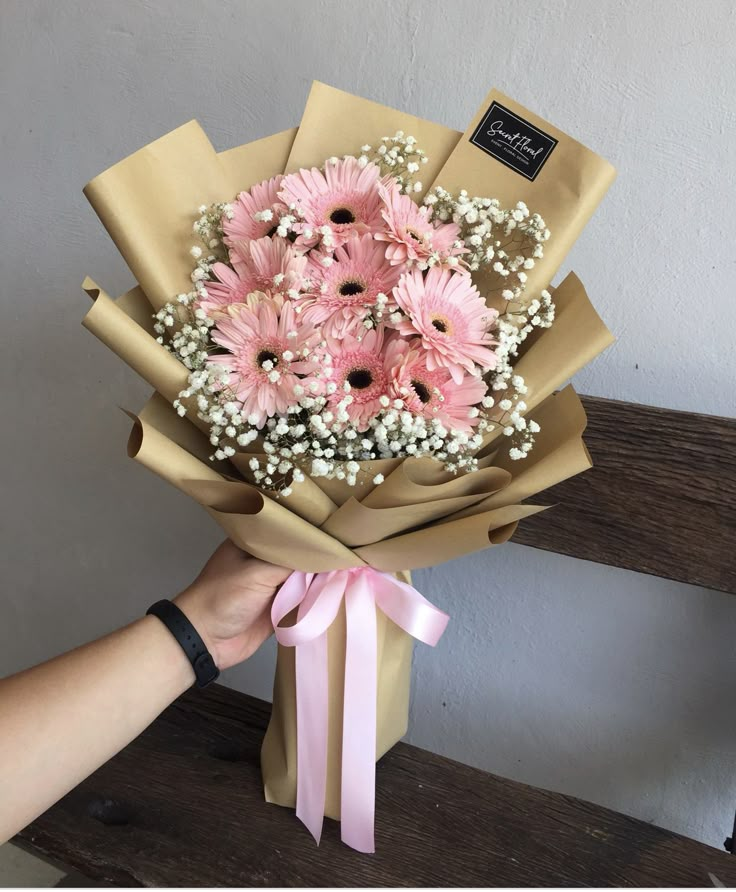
(114, 323)
(566, 192)
(338, 123)
(421, 515)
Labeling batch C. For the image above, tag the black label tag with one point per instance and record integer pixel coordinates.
(513, 141)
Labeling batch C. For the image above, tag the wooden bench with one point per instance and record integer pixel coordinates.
(183, 804)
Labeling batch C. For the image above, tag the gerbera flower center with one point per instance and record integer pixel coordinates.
(342, 216)
(266, 356)
(421, 390)
(351, 287)
(412, 233)
(359, 379)
(441, 324)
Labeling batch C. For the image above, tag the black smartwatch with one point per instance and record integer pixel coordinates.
(189, 639)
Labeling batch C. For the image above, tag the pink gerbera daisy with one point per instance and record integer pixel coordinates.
(445, 309)
(411, 233)
(344, 197)
(264, 344)
(364, 366)
(261, 198)
(270, 265)
(228, 288)
(434, 394)
(340, 296)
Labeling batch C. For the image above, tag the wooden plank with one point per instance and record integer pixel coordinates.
(660, 499)
(183, 806)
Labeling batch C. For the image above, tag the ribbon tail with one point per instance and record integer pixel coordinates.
(318, 599)
(312, 700)
(311, 723)
(358, 791)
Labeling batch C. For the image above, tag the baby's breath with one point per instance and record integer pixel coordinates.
(514, 325)
(397, 156)
(507, 241)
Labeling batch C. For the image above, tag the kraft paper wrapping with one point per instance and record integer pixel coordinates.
(338, 123)
(576, 337)
(566, 191)
(421, 515)
(133, 303)
(109, 321)
(307, 499)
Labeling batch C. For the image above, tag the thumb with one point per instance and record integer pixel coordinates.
(266, 576)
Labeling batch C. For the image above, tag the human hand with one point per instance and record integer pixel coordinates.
(229, 603)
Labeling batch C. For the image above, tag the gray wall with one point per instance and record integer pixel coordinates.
(598, 682)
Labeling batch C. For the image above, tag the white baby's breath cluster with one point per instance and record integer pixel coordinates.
(507, 241)
(400, 157)
(514, 325)
(181, 326)
(316, 437)
(209, 229)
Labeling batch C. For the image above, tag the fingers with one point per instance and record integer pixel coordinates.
(230, 561)
(260, 572)
(270, 574)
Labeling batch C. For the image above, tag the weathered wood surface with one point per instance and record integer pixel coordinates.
(183, 806)
(660, 499)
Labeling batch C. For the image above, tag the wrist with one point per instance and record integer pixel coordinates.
(175, 668)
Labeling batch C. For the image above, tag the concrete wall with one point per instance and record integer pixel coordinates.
(590, 680)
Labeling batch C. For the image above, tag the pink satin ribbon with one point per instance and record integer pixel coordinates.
(318, 598)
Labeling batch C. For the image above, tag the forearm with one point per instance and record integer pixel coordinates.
(62, 720)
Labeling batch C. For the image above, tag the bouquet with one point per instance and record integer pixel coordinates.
(355, 351)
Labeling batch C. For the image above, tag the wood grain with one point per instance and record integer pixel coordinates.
(660, 499)
(183, 806)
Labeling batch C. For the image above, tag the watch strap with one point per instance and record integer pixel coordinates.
(189, 640)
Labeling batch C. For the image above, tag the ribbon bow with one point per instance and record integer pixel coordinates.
(318, 597)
